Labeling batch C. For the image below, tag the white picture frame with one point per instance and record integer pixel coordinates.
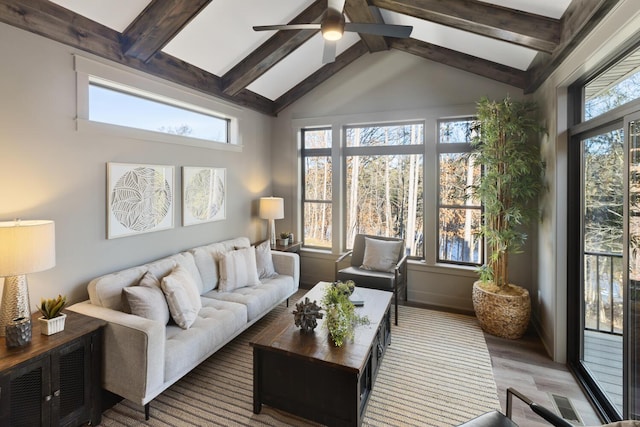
(204, 194)
(140, 199)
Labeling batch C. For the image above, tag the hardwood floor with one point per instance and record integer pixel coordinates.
(524, 365)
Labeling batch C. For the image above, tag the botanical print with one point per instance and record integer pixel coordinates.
(203, 193)
(140, 199)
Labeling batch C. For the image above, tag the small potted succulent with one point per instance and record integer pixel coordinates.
(52, 320)
(284, 238)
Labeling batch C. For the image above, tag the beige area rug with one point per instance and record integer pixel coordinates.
(437, 372)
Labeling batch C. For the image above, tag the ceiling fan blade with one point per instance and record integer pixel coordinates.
(287, 27)
(336, 4)
(329, 51)
(387, 30)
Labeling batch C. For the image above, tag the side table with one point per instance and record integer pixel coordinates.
(55, 379)
(291, 247)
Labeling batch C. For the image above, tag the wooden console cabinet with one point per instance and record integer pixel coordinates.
(55, 379)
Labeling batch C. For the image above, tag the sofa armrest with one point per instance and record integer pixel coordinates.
(288, 264)
(133, 352)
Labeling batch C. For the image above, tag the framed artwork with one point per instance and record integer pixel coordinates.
(204, 192)
(140, 199)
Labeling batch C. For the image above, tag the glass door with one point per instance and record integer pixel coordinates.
(602, 203)
(632, 124)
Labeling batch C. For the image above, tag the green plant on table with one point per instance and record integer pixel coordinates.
(51, 308)
(285, 234)
(341, 318)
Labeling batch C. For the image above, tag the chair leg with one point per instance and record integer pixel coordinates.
(146, 412)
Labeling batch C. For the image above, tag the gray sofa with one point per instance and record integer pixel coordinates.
(143, 357)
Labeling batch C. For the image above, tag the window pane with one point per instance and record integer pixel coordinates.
(457, 171)
(107, 105)
(317, 224)
(458, 131)
(385, 197)
(405, 134)
(317, 178)
(316, 138)
(617, 86)
(458, 240)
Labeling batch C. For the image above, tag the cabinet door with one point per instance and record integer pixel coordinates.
(23, 393)
(70, 375)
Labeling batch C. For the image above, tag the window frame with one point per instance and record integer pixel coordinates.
(453, 148)
(161, 90)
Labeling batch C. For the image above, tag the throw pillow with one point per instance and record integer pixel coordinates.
(380, 255)
(264, 261)
(238, 269)
(147, 299)
(182, 296)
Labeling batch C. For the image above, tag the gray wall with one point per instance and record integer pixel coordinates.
(48, 170)
(382, 87)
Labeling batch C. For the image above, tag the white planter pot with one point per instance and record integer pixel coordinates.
(52, 326)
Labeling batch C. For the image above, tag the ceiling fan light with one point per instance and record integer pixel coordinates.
(332, 25)
(332, 34)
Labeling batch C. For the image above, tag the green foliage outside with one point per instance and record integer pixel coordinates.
(511, 180)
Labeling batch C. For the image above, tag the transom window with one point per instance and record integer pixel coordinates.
(121, 105)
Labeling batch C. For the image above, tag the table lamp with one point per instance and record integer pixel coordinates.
(271, 208)
(25, 247)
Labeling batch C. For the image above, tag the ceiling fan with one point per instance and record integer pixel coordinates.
(333, 25)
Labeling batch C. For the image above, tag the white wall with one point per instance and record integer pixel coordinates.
(48, 170)
(551, 311)
(381, 87)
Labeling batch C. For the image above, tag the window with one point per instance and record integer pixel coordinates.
(317, 189)
(384, 182)
(459, 215)
(125, 106)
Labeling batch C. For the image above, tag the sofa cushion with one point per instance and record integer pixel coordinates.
(258, 299)
(186, 260)
(216, 322)
(380, 255)
(147, 299)
(106, 291)
(238, 269)
(206, 259)
(264, 261)
(182, 296)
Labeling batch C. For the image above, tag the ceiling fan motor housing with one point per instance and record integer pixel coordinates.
(332, 25)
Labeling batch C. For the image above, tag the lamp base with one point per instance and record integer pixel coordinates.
(272, 233)
(15, 301)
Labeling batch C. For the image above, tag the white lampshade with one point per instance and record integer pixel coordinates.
(26, 247)
(271, 208)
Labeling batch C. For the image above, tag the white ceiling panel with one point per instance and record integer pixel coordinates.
(303, 62)
(550, 8)
(115, 14)
(222, 34)
(462, 41)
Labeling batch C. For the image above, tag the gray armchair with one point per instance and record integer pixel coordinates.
(393, 280)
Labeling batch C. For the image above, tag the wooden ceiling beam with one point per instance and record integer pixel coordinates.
(359, 11)
(272, 51)
(50, 20)
(513, 26)
(160, 21)
(317, 78)
(577, 21)
(462, 61)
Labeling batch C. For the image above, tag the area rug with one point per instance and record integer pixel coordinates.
(437, 372)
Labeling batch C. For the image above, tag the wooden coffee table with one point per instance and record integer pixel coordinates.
(306, 375)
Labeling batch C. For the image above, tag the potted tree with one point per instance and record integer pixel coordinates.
(509, 186)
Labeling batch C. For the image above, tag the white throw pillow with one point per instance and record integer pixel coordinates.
(380, 255)
(264, 261)
(182, 296)
(147, 299)
(238, 269)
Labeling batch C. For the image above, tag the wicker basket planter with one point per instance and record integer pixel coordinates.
(505, 316)
(52, 326)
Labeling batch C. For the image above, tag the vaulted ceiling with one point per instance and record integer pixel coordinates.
(210, 46)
